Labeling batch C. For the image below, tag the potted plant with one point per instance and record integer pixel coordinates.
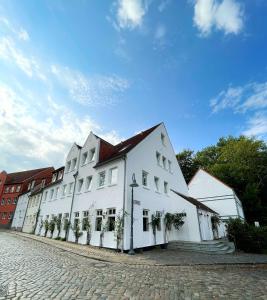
(40, 227)
(88, 228)
(215, 221)
(104, 228)
(119, 228)
(58, 225)
(77, 230)
(46, 226)
(52, 225)
(167, 226)
(155, 223)
(66, 227)
(178, 220)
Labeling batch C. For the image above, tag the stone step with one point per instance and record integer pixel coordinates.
(212, 247)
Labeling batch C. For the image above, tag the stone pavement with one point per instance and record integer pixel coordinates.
(33, 270)
(155, 256)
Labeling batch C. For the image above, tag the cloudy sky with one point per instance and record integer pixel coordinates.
(118, 67)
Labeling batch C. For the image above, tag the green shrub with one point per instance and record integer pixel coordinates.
(63, 239)
(246, 237)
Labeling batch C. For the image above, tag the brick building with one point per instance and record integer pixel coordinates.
(12, 185)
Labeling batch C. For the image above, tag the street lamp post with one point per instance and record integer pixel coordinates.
(132, 185)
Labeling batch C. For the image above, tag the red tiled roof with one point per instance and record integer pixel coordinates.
(19, 177)
(108, 152)
(195, 202)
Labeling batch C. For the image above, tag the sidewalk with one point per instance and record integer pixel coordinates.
(154, 257)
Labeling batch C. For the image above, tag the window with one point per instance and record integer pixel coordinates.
(60, 175)
(51, 194)
(54, 177)
(88, 185)
(85, 218)
(156, 181)
(113, 175)
(12, 189)
(92, 154)
(29, 186)
(3, 202)
(158, 158)
(47, 217)
(68, 166)
(59, 216)
(66, 215)
(10, 215)
(162, 136)
(7, 189)
(145, 178)
(84, 158)
(164, 162)
(102, 176)
(56, 192)
(8, 201)
(170, 166)
(18, 188)
(111, 219)
(73, 164)
(43, 183)
(76, 218)
(98, 220)
(15, 200)
(64, 190)
(3, 215)
(32, 184)
(45, 195)
(80, 185)
(145, 220)
(71, 187)
(165, 187)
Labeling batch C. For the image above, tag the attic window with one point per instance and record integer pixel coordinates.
(92, 154)
(163, 139)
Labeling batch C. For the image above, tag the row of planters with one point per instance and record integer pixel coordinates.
(246, 237)
(170, 220)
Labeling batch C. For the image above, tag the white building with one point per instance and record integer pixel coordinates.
(217, 195)
(20, 212)
(96, 186)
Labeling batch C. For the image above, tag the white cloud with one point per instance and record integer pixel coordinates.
(224, 15)
(163, 4)
(98, 90)
(44, 138)
(252, 96)
(160, 32)
(130, 13)
(23, 35)
(257, 125)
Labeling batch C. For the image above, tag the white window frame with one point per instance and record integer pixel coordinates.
(80, 185)
(88, 183)
(84, 158)
(115, 169)
(156, 182)
(100, 184)
(92, 154)
(166, 188)
(158, 158)
(145, 178)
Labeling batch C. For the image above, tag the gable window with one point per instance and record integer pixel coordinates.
(98, 220)
(166, 187)
(88, 183)
(80, 185)
(84, 158)
(156, 181)
(170, 166)
(64, 190)
(158, 158)
(73, 164)
(113, 175)
(145, 178)
(164, 162)
(102, 177)
(162, 136)
(92, 154)
(145, 220)
(68, 166)
(111, 219)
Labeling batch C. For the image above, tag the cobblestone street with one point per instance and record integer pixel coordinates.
(33, 270)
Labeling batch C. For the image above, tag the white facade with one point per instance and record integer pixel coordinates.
(20, 212)
(216, 195)
(102, 192)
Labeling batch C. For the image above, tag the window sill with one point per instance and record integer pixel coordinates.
(88, 191)
(100, 187)
(146, 188)
(113, 184)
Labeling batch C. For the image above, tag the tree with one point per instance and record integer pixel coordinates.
(155, 223)
(58, 225)
(52, 225)
(88, 228)
(66, 227)
(187, 163)
(77, 230)
(46, 226)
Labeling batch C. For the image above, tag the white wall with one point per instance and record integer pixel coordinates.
(143, 157)
(20, 212)
(31, 213)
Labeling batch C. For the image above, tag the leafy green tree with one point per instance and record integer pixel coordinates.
(187, 162)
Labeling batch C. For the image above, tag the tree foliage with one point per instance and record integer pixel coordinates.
(239, 162)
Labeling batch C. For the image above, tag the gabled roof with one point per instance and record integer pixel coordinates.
(195, 202)
(19, 177)
(200, 169)
(108, 152)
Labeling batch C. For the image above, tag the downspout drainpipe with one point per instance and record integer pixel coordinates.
(38, 210)
(75, 175)
(201, 239)
(123, 208)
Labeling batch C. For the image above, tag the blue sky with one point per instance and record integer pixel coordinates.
(118, 67)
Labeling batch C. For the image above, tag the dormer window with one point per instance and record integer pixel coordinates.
(18, 188)
(12, 189)
(162, 136)
(43, 183)
(60, 175)
(92, 154)
(84, 158)
(32, 184)
(29, 186)
(54, 177)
